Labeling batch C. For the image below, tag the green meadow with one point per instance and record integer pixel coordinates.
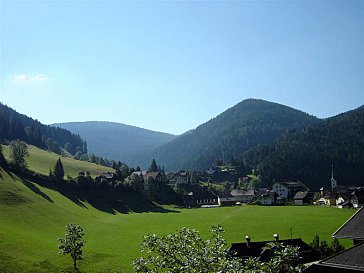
(33, 217)
(42, 161)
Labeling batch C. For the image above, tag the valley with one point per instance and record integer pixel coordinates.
(31, 224)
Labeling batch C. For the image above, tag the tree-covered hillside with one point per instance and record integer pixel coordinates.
(118, 141)
(246, 125)
(17, 126)
(308, 154)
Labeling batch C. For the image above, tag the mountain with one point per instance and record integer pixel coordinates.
(116, 140)
(230, 134)
(14, 125)
(308, 154)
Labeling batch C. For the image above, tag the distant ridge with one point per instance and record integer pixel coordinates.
(249, 123)
(117, 141)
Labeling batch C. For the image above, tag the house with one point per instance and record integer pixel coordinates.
(243, 196)
(347, 261)
(268, 198)
(182, 177)
(357, 198)
(353, 228)
(329, 199)
(350, 260)
(226, 199)
(200, 198)
(343, 200)
(287, 190)
(249, 249)
(303, 197)
(140, 173)
(108, 177)
(155, 175)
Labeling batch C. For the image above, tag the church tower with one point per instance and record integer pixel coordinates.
(333, 181)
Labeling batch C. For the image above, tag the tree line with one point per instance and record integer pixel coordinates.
(17, 126)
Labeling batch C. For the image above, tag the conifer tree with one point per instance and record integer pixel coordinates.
(58, 170)
(153, 166)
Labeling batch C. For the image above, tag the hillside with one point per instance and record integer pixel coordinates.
(230, 134)
(41, 161)
(116, 140)
(14, 125)
(33, 217)
(309, 153)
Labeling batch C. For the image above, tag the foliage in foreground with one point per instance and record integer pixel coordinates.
(186, 252)
(326, 249)
(72, 243)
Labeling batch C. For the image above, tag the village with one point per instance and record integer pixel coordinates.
(196, 193)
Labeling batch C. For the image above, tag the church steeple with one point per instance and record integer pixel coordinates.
(333, 181)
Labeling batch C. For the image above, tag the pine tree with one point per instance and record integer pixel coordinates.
(58, 170)
(153, 166)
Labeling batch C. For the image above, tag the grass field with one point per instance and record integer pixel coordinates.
(33, 217)
(42, 161)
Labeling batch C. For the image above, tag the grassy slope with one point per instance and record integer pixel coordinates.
(42, 161)
(32, 217)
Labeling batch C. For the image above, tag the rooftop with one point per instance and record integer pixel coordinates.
(350, 260)
(352, 228)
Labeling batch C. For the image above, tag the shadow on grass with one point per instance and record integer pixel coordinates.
(35, 189)
(124, 203)
(105, 200)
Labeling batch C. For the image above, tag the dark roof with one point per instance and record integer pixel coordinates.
(359, 194)
(300, 195)
(353, 228)
(236, 192)
(292, 185)
(154, 175)
(350, 260)
(255, 249)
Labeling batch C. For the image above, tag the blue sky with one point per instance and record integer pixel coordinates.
(171, 65)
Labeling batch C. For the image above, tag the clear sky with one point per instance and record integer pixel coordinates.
(171, 65)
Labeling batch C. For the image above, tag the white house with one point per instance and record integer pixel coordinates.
(287, 189)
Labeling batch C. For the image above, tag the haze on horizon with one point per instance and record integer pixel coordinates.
(171, 65)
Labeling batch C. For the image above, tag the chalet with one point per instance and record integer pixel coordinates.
(200, 198)
(140, 173)
(287, 190)
(303, 197)
(329, 199)
(353, 228)
(109, 177)
(343, 200)
(155, 175)
(243, 196)
(268, 198)
(226, 199)
(255, 250)
(182, 177)
(347, 261)
(357, 198)
(350, 260)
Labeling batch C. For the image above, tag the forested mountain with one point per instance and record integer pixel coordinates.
(229, 135)
(308, 154)
(17, 126)
(116, 140)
